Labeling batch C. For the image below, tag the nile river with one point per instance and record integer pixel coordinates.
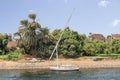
(83, 74)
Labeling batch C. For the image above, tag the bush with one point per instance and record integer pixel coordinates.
(11, 56)
(12, 49)
(109, 55)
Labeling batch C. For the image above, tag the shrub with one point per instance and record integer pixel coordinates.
(12, 49)
(11, 56)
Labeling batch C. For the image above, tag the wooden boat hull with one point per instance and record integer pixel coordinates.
(63, 69)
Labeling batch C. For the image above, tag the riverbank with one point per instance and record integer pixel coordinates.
(44, 64)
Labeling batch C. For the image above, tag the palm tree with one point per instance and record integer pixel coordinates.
(18, 36)
(45, 42)
(32, 16)
(27, 34)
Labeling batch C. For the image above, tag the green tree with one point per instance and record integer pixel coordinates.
(56, 34)
(3, 43)
(89, 47)
(99, 46)
(70, 44)
(27, 35)
(34, 39)
(115, 44)
(45, 43)
(108, 48)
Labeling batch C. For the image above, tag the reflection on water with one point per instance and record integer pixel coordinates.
(83, 74)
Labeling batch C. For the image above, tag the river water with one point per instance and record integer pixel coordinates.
(83, 74)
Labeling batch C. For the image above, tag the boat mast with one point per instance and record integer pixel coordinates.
(56, 47)
(57, 56)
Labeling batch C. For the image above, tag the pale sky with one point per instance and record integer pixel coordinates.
(96, 16)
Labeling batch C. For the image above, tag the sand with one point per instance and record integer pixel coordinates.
(45, 64)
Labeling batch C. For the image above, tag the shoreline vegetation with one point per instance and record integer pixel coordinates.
(93, 51)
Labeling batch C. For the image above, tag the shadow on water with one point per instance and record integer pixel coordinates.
(83, 74)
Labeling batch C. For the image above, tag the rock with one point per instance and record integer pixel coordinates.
(34, 60)
(97, 59)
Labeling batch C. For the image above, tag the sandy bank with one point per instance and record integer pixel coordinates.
(81, 63)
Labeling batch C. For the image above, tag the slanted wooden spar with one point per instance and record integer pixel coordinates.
(65, 67)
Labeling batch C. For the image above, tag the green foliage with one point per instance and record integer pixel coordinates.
(3, 43)
(12, 49)
(32, 16)
(71, 43)
(89, 47)
(38, 41)
(115, 45)
(71, 46)
(113, 55)
(56, 34)
(26, 36)
(45, 43)
(34, 39)
(11, 56)
(99, 46)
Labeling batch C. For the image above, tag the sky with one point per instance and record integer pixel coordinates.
(95, 16)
